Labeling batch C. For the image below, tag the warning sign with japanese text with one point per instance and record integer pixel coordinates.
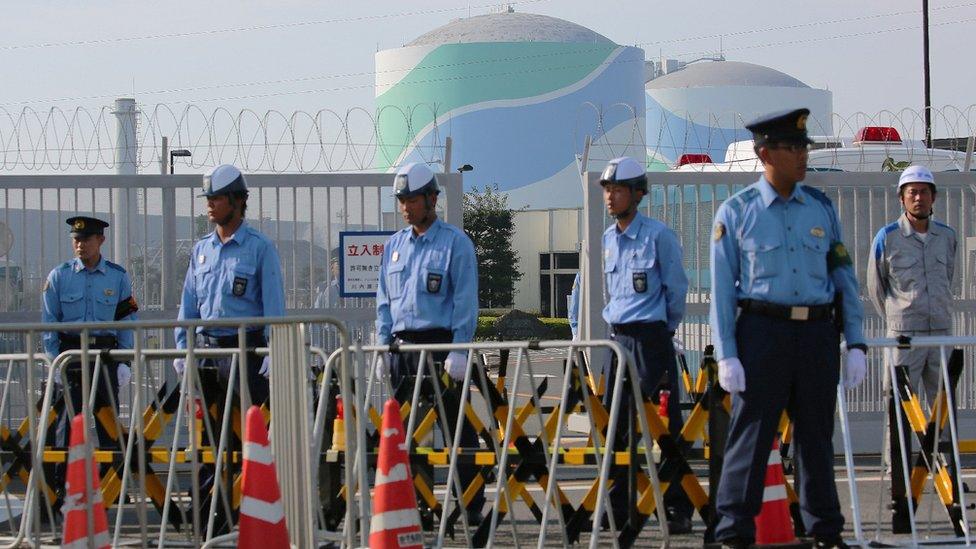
(359, 262)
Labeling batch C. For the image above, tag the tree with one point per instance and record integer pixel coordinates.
(490, 224)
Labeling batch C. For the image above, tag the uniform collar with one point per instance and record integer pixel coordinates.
(240, 235)
(77, 266)
(431, 231)
(634, 228)
(769, 194)
(907, 230)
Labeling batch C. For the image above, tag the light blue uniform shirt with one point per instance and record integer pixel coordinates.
(73, 293)
(574, 306)
(768, 248)
(645, 278)
(239, 278)
(428, 282)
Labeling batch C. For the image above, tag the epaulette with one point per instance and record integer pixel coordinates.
(65, 265)
(944, 226)
(743, 196)
(818, 194)
(115, 266)
(889, 227)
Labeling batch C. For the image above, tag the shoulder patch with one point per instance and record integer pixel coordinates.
(818, 194)
(115, 266)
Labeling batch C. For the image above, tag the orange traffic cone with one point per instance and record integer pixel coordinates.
(396, 521)
(262, 520)
(774, 525)
(75, 517)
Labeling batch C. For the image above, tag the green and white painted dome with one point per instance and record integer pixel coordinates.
(518, 93)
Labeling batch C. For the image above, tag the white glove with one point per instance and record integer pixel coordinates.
(679, 347)
(179, 364)
(265, 367)
(455, 364)
(382, 367)
(855, 368)
(125, 375)
(731, 376)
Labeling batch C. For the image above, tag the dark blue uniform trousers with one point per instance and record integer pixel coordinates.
(650, 343)
(403, 372)
(793, 365)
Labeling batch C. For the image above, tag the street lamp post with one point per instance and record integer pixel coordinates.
(178, 152)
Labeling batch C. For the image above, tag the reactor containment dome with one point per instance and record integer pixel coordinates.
(518, 94)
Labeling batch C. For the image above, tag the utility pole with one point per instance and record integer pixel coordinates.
(925, 69)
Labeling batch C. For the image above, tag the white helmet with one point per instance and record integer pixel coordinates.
(414, 179)
(916, 174)
(625, 171)
(223, 179)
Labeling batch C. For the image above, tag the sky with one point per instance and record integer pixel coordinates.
(302, 55)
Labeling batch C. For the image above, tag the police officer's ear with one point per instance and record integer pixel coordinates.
(100, 238)
(762, 153)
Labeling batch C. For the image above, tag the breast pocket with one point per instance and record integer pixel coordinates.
(642, 274)
(395, 280)
(242, 282)
(815, 256)
(762, 257)
(203, 280)
(72, 306)
(904, 272)
(105, 307)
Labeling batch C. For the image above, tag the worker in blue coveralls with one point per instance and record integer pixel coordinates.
(647, 285)
(783, 289)
(233, 272)
(88, 288)
(428, 293)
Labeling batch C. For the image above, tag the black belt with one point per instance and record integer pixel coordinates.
(254, 338)
(788, 312)
(636, 327)
(435, 335)
(73, 341)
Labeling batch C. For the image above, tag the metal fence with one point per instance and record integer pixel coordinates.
(865, 202)
(303, 214)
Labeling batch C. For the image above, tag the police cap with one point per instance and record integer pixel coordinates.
(223, 179)
(414, 179)
(781, 127)
(84, 226)
(624, 171)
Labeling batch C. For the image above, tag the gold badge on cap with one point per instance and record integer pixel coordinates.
(801, 122)
(396, 256)
(109, 292)
(79, 225)
(817, 232)
(719, 232)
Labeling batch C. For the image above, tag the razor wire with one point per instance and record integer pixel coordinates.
(364, 139)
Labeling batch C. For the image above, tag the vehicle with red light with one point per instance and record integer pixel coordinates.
(872, 149)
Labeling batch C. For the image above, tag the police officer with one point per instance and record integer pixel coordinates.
(574, 307)
(428, 293)
(233, 272)
(88, 288)
(909, 281)
(647, 285)
(777, 261)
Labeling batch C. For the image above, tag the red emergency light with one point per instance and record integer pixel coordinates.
(877, 134)
(695, 158)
